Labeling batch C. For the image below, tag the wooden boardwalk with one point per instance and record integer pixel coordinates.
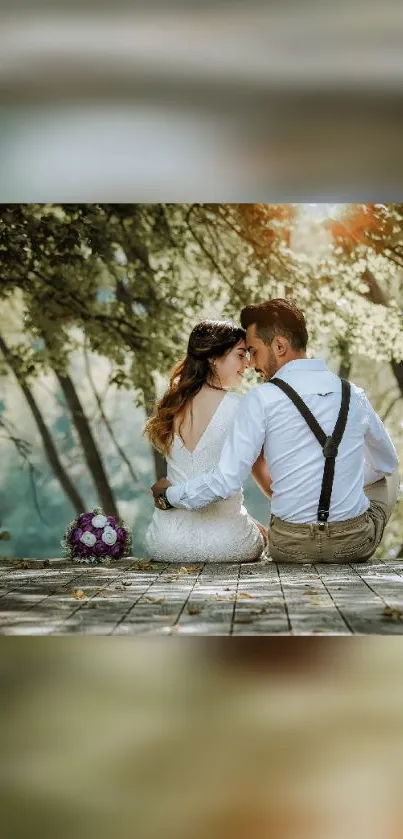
(139, 597)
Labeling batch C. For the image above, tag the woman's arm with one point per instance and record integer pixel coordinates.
(261, 475)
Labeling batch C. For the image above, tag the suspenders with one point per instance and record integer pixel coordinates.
(329, 445)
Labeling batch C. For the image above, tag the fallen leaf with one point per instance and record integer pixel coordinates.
(193, 610)
(79, 594)
(245, 594)
(393, 614)
(244, 619)
(126, 583)
(91, 605)
(143, 565)
(229, 599)
(157, 600)
(25, 564)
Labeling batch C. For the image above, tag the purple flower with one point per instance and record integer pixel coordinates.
(121, 534)
(76, 535)
(100, 549)
(116, 551)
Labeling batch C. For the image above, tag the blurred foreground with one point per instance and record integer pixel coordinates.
(245, 739)
(286, 101)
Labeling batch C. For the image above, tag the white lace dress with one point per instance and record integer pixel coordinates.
(221, 532)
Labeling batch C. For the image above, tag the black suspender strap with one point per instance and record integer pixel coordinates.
(329, 445)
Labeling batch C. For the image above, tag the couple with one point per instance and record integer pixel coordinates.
(312, 442)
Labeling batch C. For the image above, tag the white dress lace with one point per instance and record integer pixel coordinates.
(221, 532)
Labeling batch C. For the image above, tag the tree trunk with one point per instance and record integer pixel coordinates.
(397, 367)
(377, 295)
(345, 367)
(48, 444)
(150, 398)
(90, 450)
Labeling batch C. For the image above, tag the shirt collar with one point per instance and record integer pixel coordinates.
(305, 365)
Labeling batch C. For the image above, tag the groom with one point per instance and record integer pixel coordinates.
(332, 462)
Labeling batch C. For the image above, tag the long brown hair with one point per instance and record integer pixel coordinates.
(209, 339)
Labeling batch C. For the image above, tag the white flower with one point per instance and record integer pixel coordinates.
(109, 536)
(99, 521)
(88, 538)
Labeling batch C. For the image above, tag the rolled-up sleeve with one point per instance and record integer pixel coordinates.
(380, 454)
(240, 451)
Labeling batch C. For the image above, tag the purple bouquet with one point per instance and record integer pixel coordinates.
(93, 537)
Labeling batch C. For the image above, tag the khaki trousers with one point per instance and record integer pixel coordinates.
(353, 540)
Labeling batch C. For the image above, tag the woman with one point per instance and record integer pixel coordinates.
(189, 427)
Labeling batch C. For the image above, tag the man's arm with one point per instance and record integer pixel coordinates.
(261, 475)
(240, 451)
(380, 453)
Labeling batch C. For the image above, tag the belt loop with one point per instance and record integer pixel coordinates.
(312, 531)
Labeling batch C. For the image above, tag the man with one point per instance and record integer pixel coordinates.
(332, 463)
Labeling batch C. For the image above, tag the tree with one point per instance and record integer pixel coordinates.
(50, 450)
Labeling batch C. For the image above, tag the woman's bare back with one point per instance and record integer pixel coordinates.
(192, 424)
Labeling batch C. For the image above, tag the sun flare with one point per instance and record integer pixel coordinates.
(320, 212)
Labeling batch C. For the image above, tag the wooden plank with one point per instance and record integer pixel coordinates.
(263, 610)
(132, 598)
(29, 591)
(388, 585)
(310, 606)
(360, 606)
(162, 604)
(44, 600)
(109, 598)
(213, 595)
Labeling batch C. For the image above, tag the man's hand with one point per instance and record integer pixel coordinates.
(158, 488)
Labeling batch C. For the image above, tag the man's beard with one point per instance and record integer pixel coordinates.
(269, 371)
(265, 375)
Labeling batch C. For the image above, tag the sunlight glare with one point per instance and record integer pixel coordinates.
(320, 212)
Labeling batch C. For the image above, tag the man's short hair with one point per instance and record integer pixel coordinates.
(277, 317)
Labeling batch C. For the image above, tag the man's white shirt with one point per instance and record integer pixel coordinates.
(267, 418)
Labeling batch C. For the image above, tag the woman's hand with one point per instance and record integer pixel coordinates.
(263, 530)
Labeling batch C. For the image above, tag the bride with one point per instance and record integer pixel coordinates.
(189, 427)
